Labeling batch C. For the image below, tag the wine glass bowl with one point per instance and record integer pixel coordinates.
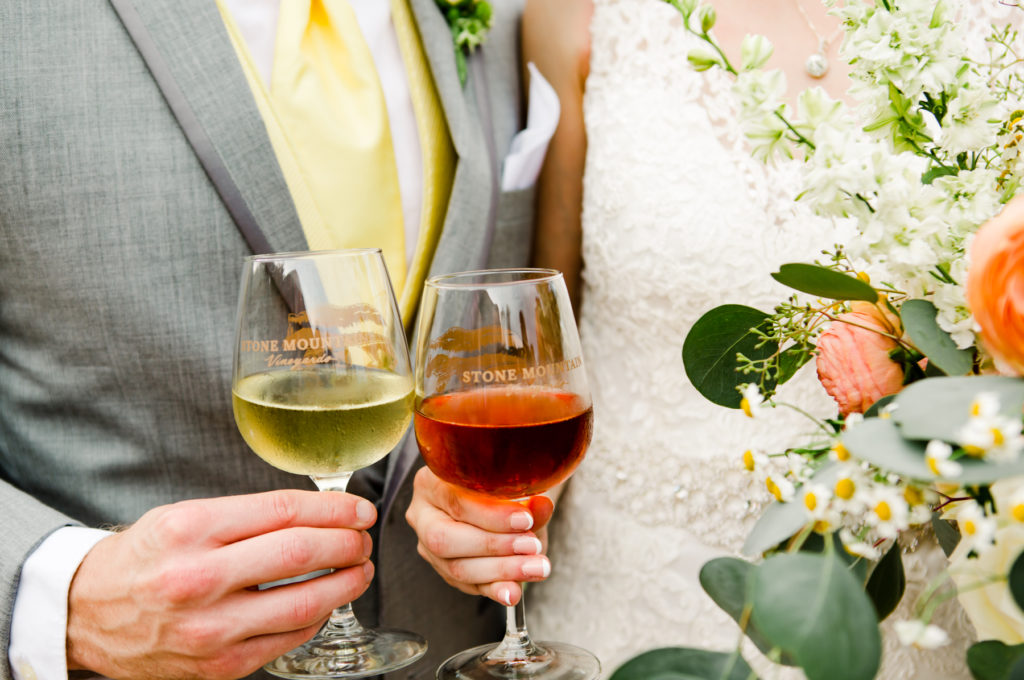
(322, 386)
(502, 408)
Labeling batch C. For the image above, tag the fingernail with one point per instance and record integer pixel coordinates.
(506, 597)
(521, 521)
(526, 545)
(538, 567)
(367, 544)
(365, 511)
(368, 570)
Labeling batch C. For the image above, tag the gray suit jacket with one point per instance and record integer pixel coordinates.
(135, 175)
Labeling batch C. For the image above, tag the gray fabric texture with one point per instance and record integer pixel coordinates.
(119, 271)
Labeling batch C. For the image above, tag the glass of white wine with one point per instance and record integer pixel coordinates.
(322, 387)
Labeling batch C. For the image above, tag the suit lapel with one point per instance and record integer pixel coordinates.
(189, 53)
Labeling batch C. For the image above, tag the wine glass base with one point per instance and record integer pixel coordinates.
(554, 661)
(370, 652)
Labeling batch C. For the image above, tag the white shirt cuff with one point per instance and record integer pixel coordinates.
(39, 625)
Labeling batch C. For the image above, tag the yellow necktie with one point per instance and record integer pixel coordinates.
(328, 101)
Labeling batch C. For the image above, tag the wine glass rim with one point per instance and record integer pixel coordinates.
(479, 276)
(310, 254)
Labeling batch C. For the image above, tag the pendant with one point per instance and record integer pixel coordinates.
(816, 65)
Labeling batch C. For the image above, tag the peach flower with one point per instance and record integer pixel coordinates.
(853, 358)
(995, 286)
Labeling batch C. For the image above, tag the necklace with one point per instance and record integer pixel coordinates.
(816, 65)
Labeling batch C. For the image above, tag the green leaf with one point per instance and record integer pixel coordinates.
(935, 172)
(946, 533)
(993, 660)
(812, 607)
(936, 408)
(878, 441)
(887, 583)
(824, 282)
(727, 581)
(781, 521)
(791, 360)
(679, 663)
(919, 323)
(711, 346)
(1015, 580)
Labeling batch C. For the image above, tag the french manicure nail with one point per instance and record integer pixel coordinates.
(521, 521)
(506, 597)
(538, 567)
(526, 545)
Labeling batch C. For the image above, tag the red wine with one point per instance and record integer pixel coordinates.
(508, 442)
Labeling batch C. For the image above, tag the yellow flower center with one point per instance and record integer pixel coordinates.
(974, 451)
(845, 488)
(748, 460)
(1018, 512)
(822, 527)
(933, 465)
(864, 276)
(745, 405)
(773, 488)
(975, 408)
(883, 511)
(841, 451)
(997, 437)
(913, 496)
(969, 527)
(810, 500)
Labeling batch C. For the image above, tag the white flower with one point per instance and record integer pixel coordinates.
(752, 401)
(887, 511)
(755, 50)
(937, 455)
(976, 530)
(989, 435)
(855, 546)
(780, 487)
(754, 460)
(916, 633)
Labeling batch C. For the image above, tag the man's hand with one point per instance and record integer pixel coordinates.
(480, 545)
(174, 596)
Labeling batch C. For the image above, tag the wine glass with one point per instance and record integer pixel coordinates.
(322, 386)
(503, 409)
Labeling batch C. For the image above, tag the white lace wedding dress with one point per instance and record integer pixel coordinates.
(678, 218)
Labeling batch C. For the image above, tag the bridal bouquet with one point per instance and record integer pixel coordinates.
(915, 325)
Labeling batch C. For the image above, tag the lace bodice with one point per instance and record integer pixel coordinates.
(678, 218)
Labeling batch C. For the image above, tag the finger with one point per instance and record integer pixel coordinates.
(507, 593)
(235, 518)
(542, 508)
(490, 514)
(297, 606)
(245, 657)
(480, 570)
(288, 553)
(448, 539)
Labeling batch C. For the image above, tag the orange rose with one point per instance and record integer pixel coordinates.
(853, 358)
(995, 285)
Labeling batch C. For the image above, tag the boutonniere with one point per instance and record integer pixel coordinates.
(469, 21)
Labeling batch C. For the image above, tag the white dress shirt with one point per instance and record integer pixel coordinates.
(39, 622)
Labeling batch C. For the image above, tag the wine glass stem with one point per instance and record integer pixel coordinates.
(516, 645)
(343, 622)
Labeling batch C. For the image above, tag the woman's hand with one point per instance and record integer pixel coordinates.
(480, 545)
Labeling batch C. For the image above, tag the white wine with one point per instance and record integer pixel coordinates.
(321, 421)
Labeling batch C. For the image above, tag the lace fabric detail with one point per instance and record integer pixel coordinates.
(679, 218)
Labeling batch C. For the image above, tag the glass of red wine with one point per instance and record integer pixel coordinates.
(502, 408)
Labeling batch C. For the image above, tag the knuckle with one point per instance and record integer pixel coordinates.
(304, 609)
(180, 584)
(200, 636)
(178, 524)
(451, 501)
(283, 508)
(436, 542)
(458, 570)
(296, 551)
(226, 664)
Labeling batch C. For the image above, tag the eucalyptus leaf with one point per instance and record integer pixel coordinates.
(993, 660)
(727, 581)
(946, 533)
(824, 282)
(937, 408)
(879, 441)
(919, 322)
(791, 360)
(887, 582)
(711, 346)
(684, 662)
(781, 521)
(1015, 580)
(812, 607)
